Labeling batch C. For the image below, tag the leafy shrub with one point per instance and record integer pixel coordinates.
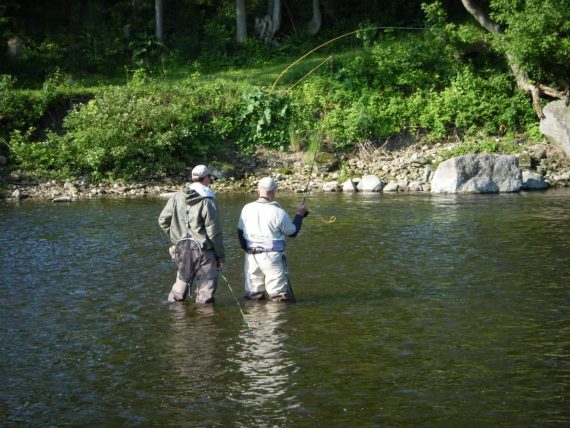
(472, 103)
(264, 119)
(138, 132)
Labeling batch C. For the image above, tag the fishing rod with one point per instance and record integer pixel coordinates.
(334, 40)
(332, 219)
(235, 298)
(311, 170)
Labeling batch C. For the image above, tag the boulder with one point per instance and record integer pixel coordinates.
(349, 186)
(477, 174)
(415, 186)
(331, 186)
(392, 186)
(555, 125)
(370, 183)
(533, 181)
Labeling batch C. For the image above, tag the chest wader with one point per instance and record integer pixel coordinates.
(188, 258)
(290, 295)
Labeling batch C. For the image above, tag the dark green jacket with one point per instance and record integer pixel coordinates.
(189, 212)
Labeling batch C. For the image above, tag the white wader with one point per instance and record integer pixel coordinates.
(265, 271)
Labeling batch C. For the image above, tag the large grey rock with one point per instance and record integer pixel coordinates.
(349, 186)
(556, 125)
(477, 174)
(370, 183)
(533, 181)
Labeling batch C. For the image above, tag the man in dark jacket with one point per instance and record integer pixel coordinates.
(191, 219)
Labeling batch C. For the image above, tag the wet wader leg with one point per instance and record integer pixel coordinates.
(254, 278)
(274, 270)
(290, 295)
(179, 290)
(207, 277)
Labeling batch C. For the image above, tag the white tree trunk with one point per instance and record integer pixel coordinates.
(276, 15)
(241, 21)
(314, 24)
(159, 17)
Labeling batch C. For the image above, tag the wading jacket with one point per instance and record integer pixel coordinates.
(193, 211)
(263, 225)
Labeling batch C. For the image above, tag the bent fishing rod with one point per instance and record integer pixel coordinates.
(332, 219)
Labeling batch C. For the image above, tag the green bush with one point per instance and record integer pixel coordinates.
(137, 132)
(18, 109)
(264, 119)
(472, 103)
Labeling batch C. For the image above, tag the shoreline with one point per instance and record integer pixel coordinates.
(408, 169)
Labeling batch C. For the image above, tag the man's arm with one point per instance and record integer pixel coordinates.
(213, 228)
(241, 239)
(298, 220)
(165, 217)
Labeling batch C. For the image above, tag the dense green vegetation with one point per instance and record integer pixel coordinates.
(141, 109)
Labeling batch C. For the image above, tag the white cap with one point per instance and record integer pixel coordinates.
(200, 172)
(267, 183)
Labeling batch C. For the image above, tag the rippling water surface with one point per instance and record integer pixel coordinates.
(412, 310)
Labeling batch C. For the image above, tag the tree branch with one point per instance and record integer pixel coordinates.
(523, 81)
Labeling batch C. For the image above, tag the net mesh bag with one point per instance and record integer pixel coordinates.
(187, 254)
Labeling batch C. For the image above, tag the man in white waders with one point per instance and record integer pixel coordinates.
(190, 218)
(262, 228)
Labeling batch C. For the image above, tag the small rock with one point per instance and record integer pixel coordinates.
(392, 186)
(533, 181)
(331, 186)
(62, 199)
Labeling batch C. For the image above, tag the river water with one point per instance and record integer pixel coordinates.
(413, 310)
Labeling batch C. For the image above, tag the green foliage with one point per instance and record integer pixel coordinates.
(19, 110)
(46, 158)
(137, 132)
(537, 35)
(377, 84)
(264, 118)
(472, 103)
(495, 146)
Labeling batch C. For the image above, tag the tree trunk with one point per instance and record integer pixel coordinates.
(159, 16)
(314, 24)
(523, 81)
(241, 21)
(276, 15)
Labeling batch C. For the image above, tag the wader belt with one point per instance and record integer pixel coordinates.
(258, 250)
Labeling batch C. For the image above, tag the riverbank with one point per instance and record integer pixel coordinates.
(403, 169)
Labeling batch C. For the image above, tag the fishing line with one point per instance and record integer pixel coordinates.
(309, 73)
(334, 40)
(235, 298)
(332, 218)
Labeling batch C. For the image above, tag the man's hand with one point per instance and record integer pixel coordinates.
(302, 210)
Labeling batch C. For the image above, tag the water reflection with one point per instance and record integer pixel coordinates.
(265, 385)
(192, 341)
